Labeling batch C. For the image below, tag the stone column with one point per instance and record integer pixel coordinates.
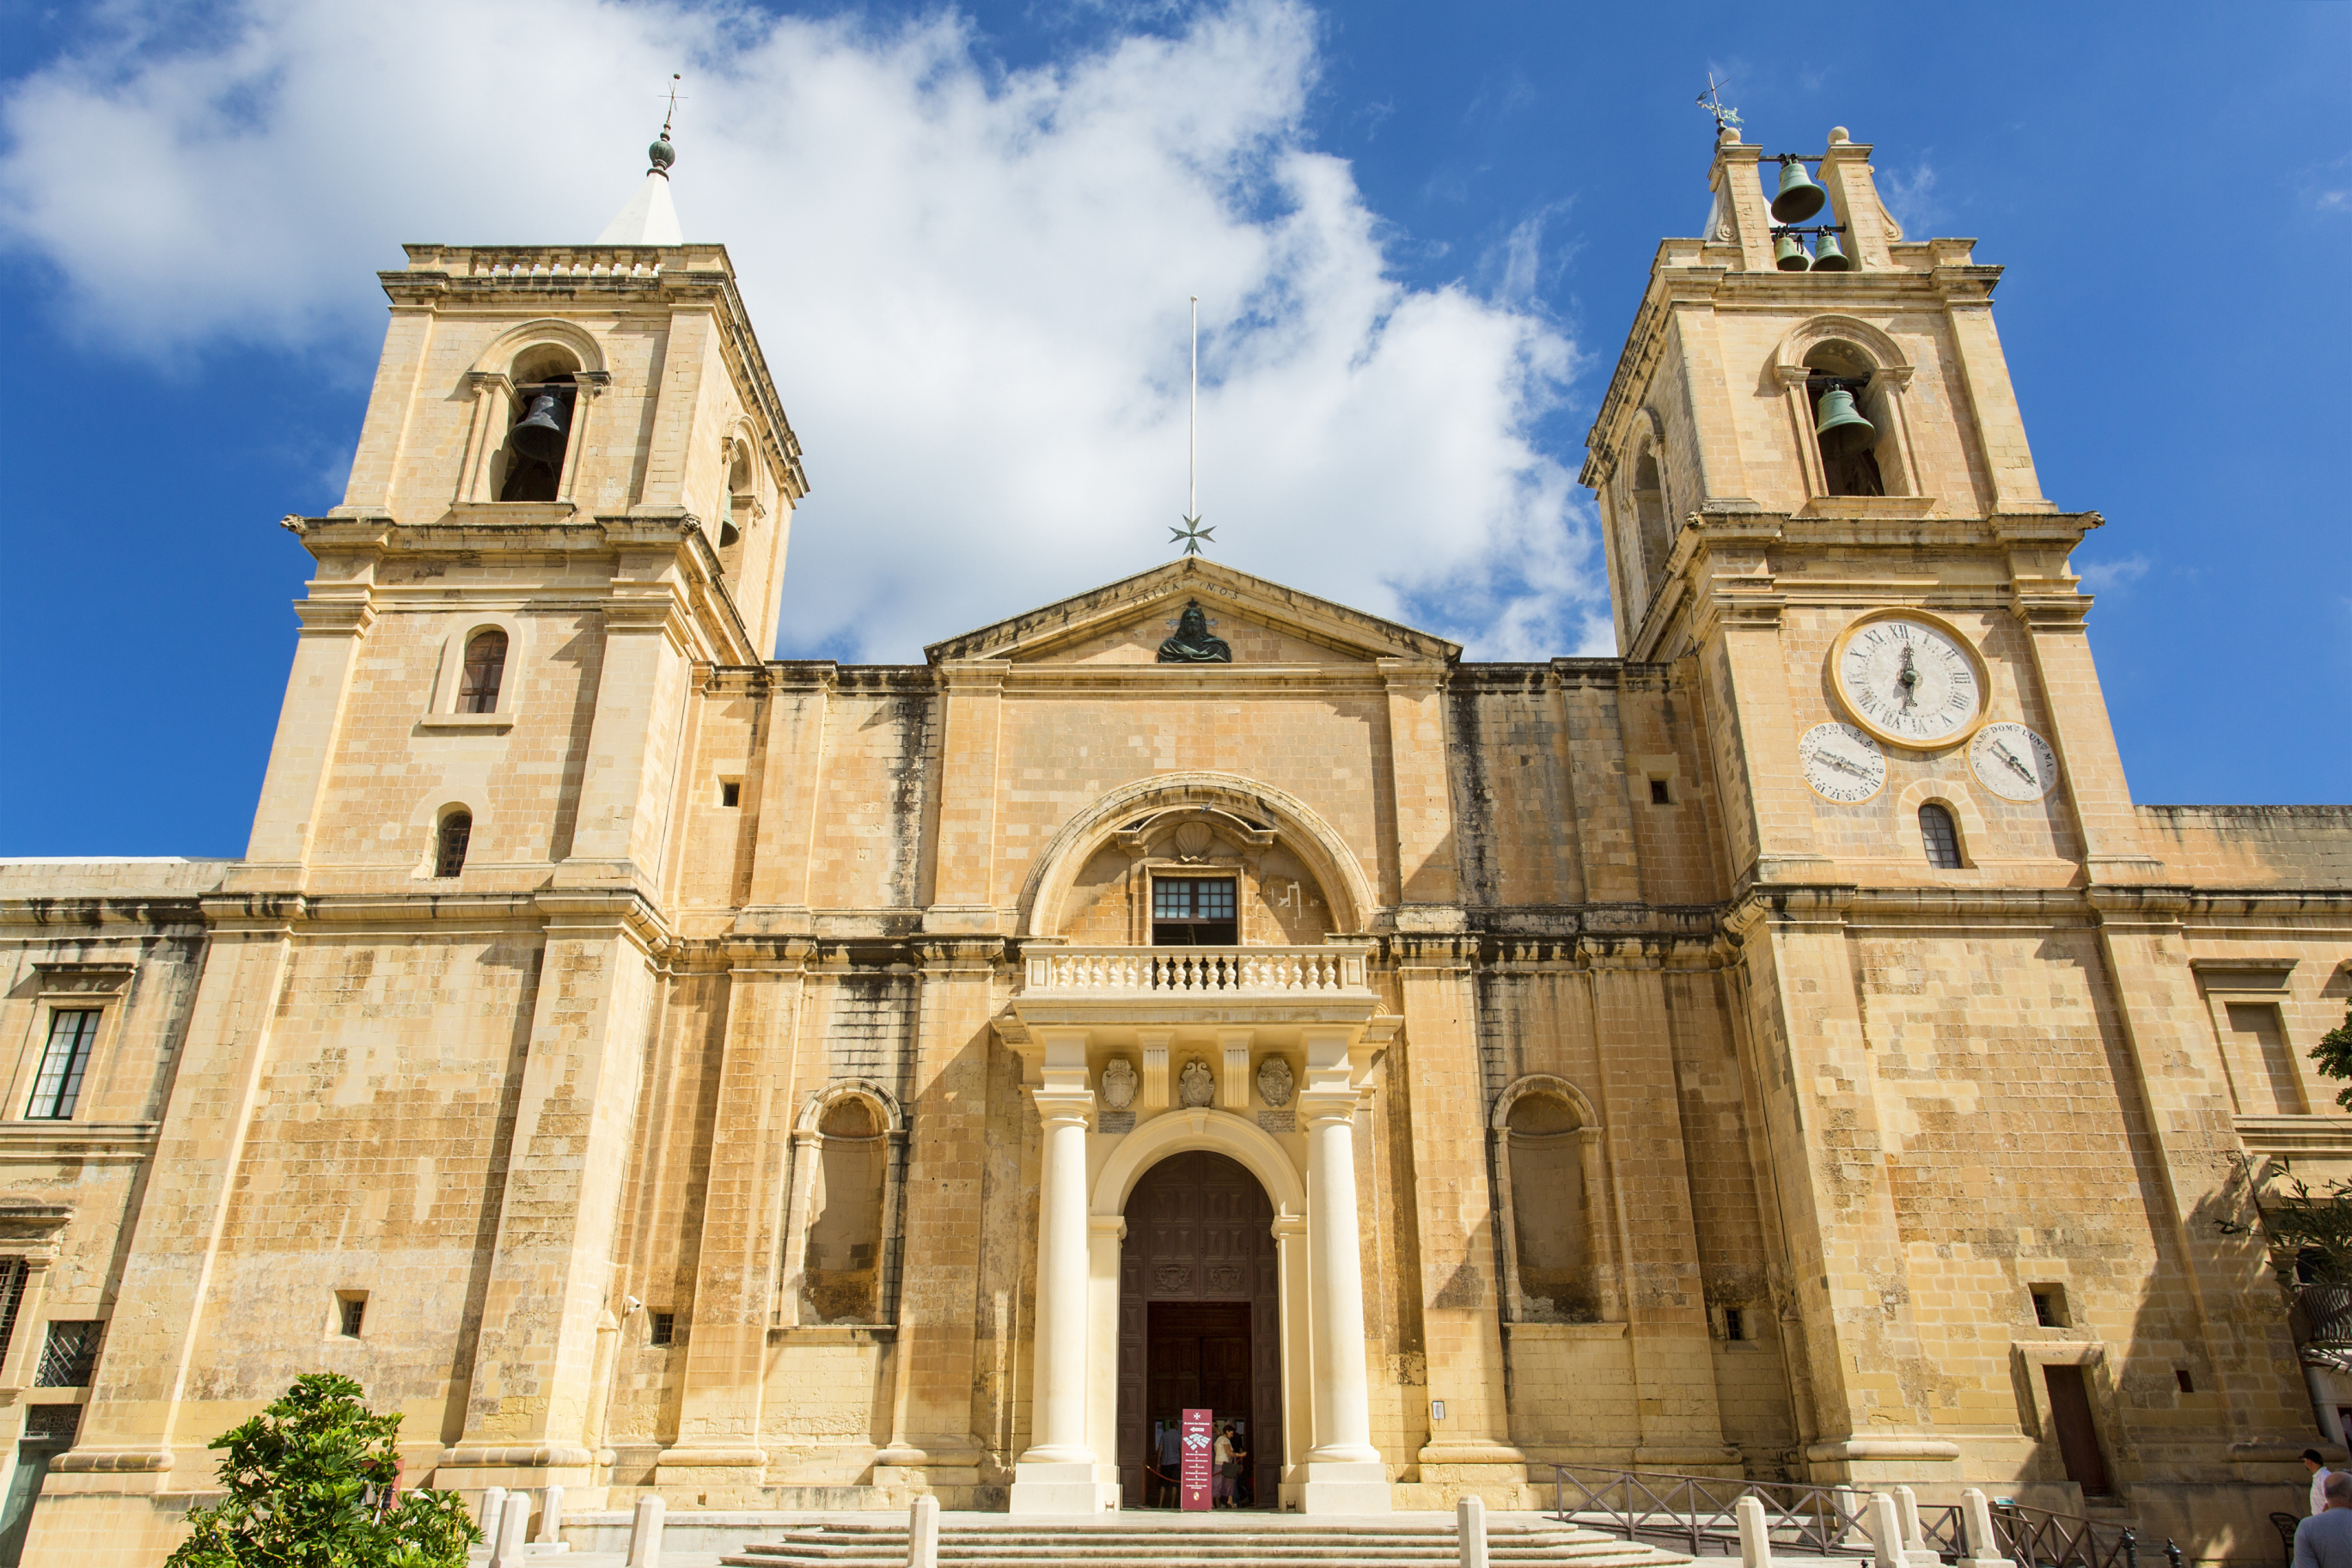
(1297, 1350)
(1343, 1472)
(1059, 1473)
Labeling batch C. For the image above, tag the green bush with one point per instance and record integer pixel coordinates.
(314, 1482)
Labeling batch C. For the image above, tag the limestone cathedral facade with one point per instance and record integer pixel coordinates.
(1783, 1049)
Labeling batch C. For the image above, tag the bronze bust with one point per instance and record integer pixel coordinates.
(1192, 645)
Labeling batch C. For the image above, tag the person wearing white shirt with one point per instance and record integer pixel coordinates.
(2319, 1474)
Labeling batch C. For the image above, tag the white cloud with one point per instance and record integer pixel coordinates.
(970, 283)
(2106, 576)
(1910, 195)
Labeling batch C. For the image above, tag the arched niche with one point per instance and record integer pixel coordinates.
(842, 1233)
(1233, 807)
(1549, 1179)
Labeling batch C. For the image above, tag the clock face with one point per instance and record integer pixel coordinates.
(1841, 763)
(1909, 681)
(2013, 762)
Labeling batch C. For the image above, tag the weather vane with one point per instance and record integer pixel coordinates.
(1193, 533)
(1711, 100)
(675, 78)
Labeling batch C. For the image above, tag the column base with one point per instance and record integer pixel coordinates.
(1065, 1490)
(1338, 1487)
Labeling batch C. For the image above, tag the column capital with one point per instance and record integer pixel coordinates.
(1111, 1225)
(1061, 1107)
(1328, 1104)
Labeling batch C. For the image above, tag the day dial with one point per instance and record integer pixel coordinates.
(1909, 680)
(1841, 763)
(2013, 762)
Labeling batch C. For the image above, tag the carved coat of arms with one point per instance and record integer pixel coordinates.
(1196, 1086)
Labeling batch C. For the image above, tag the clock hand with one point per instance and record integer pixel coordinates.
(2021, 769)
(1909, 678)
(1836, 762)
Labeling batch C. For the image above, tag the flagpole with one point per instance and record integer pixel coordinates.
(1193, 423)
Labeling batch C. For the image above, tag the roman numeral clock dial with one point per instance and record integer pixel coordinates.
(1909, 680)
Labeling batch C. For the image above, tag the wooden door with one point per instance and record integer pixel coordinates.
(1198, 1234)
(2078, 1435)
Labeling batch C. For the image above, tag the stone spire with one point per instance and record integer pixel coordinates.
(650, 218)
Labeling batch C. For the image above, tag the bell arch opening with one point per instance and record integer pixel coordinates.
(1200, 1327)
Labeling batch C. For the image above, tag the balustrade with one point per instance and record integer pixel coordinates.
(1196, 971)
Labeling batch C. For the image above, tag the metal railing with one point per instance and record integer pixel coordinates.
(1700, 1511)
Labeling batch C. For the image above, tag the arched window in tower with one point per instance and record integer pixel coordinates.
(1941, 837)
(741, 497)
(1545, 1145)
(840, 1271)
(1838, 388)
(486, 668)
(545, 395)
(457, 831)
(1650, 520)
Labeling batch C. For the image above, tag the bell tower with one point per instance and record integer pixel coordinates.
(1811, 424)
(574, 483)
(1821, 516)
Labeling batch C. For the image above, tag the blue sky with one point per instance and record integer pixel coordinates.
(1420, 233)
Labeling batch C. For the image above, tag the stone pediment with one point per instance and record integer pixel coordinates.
(1124, 622)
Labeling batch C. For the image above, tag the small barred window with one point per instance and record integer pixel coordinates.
(71, 1354)
(449, 852)
(1941, 838)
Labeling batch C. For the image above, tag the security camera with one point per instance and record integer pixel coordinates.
(629, 1304)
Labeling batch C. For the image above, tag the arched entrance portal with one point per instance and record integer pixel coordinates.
(1200, 1317)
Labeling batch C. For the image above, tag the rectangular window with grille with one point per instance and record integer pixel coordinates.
(1193, 912)
(52, 1423)
(58, 1087)
(72, 1354)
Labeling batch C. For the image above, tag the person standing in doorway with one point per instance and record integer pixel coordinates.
(1221, 1489)
(1172, 1464)
(2319, 1474)
(2325, 1539)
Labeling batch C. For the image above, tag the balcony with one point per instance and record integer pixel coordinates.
(1324, 983)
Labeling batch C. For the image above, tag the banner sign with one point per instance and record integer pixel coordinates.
(1198, 1458)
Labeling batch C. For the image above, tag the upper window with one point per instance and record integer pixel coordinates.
(58, 1087)
(486, 667)
(1940, 837)
(449, 848)
(1193, 912)
(1650, 520)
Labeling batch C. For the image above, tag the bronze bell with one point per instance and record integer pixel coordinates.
(1841, 421)
(1798, 197)
(541, 434)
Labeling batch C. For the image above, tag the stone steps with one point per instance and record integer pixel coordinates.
(1230, 1542)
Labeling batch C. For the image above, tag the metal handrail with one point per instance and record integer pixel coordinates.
(1826, 1522)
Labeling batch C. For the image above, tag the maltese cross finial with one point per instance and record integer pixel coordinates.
(1193, 533)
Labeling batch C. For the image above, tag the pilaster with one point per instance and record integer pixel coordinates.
(964, 882)
(717, 1454)
(551, 1271)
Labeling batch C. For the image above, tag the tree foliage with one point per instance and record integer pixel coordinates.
(314, 1482)
(2308, 1234)
(2334, 1055)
